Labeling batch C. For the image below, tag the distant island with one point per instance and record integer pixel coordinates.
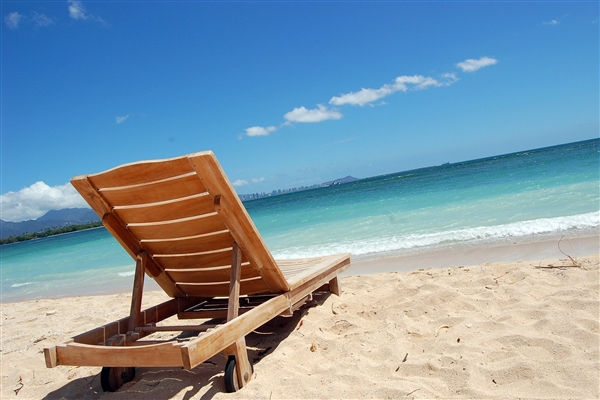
(55, 222)
(49, 232)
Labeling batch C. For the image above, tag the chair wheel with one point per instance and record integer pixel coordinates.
(112, 378)
(231, 379)
(232, 383)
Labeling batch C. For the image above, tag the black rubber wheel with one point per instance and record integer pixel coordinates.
(231, 379)
(112, 378)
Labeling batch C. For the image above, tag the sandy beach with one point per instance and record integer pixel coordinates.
(520, 328)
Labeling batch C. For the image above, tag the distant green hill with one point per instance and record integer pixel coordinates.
(52, 220)
(49, 232)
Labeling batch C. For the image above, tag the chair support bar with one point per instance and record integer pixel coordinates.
(138, 290)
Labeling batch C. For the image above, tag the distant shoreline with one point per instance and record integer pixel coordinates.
(49, 232)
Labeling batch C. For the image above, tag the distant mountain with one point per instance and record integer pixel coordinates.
(77, 215)
(341, 180)
(52, 219)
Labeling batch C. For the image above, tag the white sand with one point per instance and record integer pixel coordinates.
(506, 330)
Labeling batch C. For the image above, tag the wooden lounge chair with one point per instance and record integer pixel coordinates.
(182, 222)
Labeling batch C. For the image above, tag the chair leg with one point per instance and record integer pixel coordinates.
(335, 287)
(138, 290)
(243, 368)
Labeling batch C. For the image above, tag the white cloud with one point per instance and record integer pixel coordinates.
(36, 200)
(239, 182)
(552, 22)
(362, 97)
(472, 65)
(450, 78)
(401, 83)
(418, 82)
(122, 119)
(260, 131)
(369, 95)
(77, 12)
(258, 180)
(12, 20)
(42, 20)
(321, 113)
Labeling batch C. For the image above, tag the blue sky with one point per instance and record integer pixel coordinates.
(286, 94)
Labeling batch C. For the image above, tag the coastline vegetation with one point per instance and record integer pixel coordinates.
(49, 232)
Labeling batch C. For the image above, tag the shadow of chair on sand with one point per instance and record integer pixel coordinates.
(164, 383)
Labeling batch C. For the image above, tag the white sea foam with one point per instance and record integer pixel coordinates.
(385, 244)
(16, 285)
(128, 273)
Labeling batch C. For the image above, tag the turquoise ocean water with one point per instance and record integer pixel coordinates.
(531, 194)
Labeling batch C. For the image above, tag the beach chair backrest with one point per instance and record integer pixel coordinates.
(185, 215)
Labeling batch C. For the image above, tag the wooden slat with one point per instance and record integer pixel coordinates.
(196, 225)
(153, 192)
(166, 211)
(218, 274)
(300, 271)
(235, 216)
(222, 289)
(316, 280)
(141, 172)
(155, 355)
(207, 260)
(194, 244)
(177, 328)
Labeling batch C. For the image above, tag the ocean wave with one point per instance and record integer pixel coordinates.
(16, 285)
(128, 273)
(385, 244)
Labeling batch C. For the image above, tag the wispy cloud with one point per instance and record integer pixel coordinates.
(15, 20)
(122, 119)
(472, 65)
(321, 113)
(554, 22)
(240, 182)
(77, 12)
(42, 20)
(12, 20)
(243, 182)
(36, 200)
(401, 83)
(260, 131)
(551, 22)
(363, 96)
